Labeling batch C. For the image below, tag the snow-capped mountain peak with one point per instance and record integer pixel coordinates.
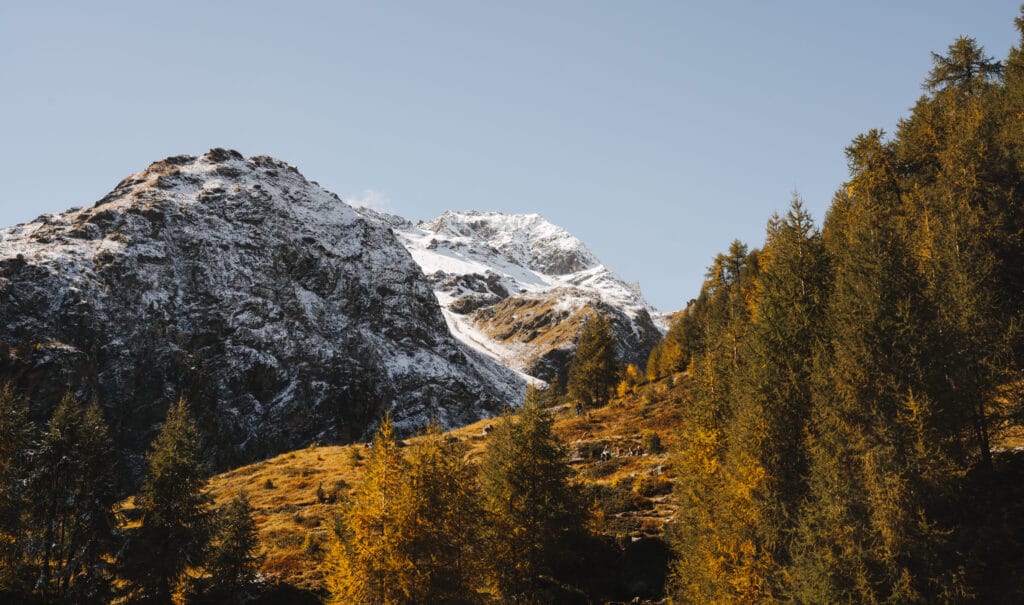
(482, 265)
(527, 240)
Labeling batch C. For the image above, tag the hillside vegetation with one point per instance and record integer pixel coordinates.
(295, 496)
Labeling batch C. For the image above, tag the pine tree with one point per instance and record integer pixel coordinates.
(16, 464)
(176, 517)
(234, 557)
(531, 511)
(592, 373)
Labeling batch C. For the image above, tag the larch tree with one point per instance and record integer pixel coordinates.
(370, 558)
(592, 373)
(531, 510)
(440, 516)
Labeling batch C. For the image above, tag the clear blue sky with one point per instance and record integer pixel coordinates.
(656, 132)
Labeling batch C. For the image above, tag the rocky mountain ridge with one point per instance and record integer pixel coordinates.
(286, 316)
(280, 313)
(519, 288)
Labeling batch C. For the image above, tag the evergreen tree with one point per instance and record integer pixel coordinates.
(72, 497)
(531, 511)
(176, 517)
(592, 373)
(234, 557)
(16, 463)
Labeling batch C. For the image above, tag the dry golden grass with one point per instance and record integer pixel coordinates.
(295, 526)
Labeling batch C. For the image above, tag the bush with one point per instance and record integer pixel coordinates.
(652, 443)
(649, 486)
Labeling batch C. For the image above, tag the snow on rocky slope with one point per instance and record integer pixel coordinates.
(283, 315)
(519, 288)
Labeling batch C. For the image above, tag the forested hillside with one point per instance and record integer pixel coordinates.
(853, 384)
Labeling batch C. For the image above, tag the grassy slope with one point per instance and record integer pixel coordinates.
(632, 495)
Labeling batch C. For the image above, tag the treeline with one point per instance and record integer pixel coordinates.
(63, 538)
(850, 381)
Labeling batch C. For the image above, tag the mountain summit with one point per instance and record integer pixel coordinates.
(518, 288)
(279, 312)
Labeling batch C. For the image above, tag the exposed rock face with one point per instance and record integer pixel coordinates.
(543, 328)
(520, 289)
(279, 312)
(526, 240)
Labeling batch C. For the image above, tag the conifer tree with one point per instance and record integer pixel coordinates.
(369, 560)
(592, 373)
(16, 463)
(654, 365)
(964, 67)
(856, 540)
(745, 460)
(234, 557)
(531, 511)
(73, 493)
(630, 381)
(439, 517)
(176, 517)
(409, 532)
(534, 395)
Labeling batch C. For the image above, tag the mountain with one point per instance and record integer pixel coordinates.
(519, 289)
(280, 313)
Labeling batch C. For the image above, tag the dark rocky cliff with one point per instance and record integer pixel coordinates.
(284, 316)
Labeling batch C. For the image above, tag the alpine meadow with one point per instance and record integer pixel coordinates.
(223, 383)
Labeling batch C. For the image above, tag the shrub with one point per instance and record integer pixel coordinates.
(649, 486)
(652, 442)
